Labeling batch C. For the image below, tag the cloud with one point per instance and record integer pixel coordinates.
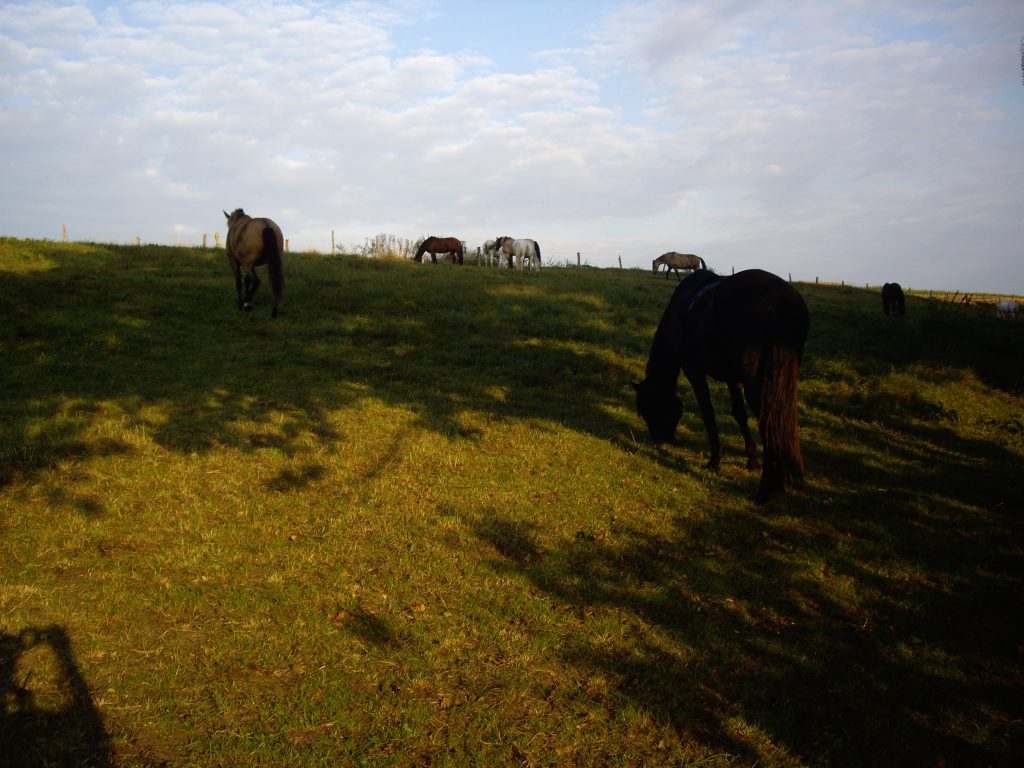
(848, 139)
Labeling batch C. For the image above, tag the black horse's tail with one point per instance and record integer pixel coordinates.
(702, 264)
(536, 247)
(779, 426)
(273, 256)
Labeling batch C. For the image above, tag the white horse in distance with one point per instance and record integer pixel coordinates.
(1006, 309)
(526, 252)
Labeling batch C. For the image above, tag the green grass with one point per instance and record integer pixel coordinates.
(415, 521)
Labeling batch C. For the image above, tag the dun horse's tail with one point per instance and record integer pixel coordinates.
(779, 427)
(273, 256)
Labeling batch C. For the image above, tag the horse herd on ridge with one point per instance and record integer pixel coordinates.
(747, 330)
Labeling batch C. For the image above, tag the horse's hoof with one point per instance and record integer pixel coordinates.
(247, 307)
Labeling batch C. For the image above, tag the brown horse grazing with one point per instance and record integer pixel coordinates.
(676, 261)
(252, 243)
(747, 330)
(435, 245)
(894, 303)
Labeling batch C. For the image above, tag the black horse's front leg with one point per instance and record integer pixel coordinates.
(707, 413)
(739, 412)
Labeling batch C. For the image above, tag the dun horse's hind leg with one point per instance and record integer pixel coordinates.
(238, 283)
(739, 412)
(252, 282)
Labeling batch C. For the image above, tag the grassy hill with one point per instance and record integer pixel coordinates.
(415, 520)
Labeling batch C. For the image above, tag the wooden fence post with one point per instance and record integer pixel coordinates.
(620, 261)
(577, 258)
(204, 240)
(332, 242)
(216, 239)
(65, 228)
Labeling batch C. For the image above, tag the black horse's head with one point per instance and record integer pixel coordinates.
(660, 410)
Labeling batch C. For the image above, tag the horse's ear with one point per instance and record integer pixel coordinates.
(226, 214)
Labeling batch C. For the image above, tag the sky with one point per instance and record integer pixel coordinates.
(856, 140)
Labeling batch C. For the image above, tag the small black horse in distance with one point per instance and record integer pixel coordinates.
(747, 330)
(894, 303)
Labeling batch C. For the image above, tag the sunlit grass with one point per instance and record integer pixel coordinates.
(415, 520)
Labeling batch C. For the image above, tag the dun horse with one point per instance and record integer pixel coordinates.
(435, 245)
(676, 261)
(747, 330)
(252, 243)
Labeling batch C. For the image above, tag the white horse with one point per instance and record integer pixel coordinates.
(1007, 309)
(490, 253)
(526, 252)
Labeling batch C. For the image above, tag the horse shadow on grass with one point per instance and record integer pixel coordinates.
(49, 717)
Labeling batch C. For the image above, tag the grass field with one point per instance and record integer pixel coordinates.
(415, 521)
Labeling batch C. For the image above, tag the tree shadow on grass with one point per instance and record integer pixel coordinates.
(121, 326)
(741, 646)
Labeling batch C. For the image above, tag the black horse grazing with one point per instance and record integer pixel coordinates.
(747, 330)
(894, 304)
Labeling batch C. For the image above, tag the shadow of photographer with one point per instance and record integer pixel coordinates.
(48, 716)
